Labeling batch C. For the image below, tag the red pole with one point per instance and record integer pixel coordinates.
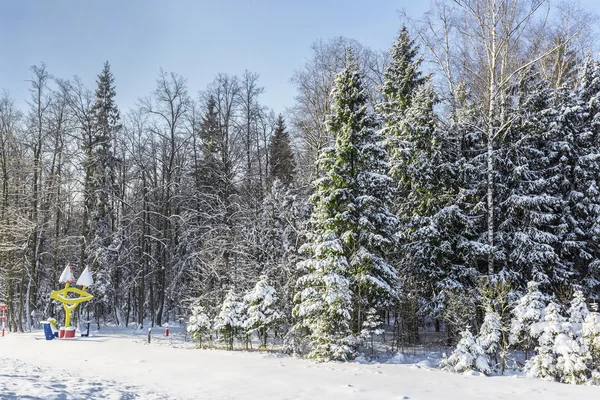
(166, 329)
(3, 317)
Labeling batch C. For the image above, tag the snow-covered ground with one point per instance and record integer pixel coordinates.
(118, 364)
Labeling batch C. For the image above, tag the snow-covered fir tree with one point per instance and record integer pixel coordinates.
(577, 312)
(101, 191)
(559, 356)
(403, 75)
(572, 360)
(490, 339)
(527, 314)
(281, 158)
(231, 320)
(261, 309)
(372, 326)
(590, 340)
(433, 227)
(468, 355)
(199, 324)
(351, 227)
(529, 202)
(580, 133)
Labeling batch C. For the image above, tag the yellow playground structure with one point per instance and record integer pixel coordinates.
(70, 297)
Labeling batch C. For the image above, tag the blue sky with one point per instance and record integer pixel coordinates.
(197, 39)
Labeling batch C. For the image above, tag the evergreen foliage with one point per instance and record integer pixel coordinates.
(528, 311)
(199, 324)
(231, 320)
(351, 226)
(281, 159)
(544, 363)
(468, 355)
(261, 309)
(490, 339)
(102, 190)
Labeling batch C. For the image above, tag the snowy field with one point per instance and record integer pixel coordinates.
(120, 365)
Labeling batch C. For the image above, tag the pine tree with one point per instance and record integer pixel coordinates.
(211, 173)
(282, 165)
(578, 310)
(591, 340)
(572, 360)
(351, 227)
(555, 331)
(403, 75)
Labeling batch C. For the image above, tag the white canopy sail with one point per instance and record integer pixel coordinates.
(67, 275)
(85, 279)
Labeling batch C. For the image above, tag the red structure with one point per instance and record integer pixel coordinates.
(3, 317)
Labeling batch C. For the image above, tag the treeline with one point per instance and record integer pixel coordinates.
(390, 198)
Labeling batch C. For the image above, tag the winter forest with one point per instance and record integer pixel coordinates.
(442, 192)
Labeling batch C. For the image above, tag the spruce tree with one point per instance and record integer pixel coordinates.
(101, 165)
(199, 324)
(490, 339)
(468, 355)
(262, 309)
(544, 363)
(403, 75)
(103, 162)
(575, 135)
(529, 203)
(210, 173)
(281, 158)
(583, 193)
(346, 272)
(527, 314)
(434, 229)
(231, 320)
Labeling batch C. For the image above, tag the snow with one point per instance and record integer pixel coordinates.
(120, 365)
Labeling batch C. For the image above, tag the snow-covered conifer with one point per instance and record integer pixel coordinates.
(261, 309)
(578, 311)
(579, 148)
(433, 227)
(282, 164)
(372, 326)
(351, 226)
(555, 331)
(468, 355)
(324, 298)
(529, 200)
(590, 338)
(571, 360)
(231, 320)
(490, 338)
(199, 324)
(527, 314)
